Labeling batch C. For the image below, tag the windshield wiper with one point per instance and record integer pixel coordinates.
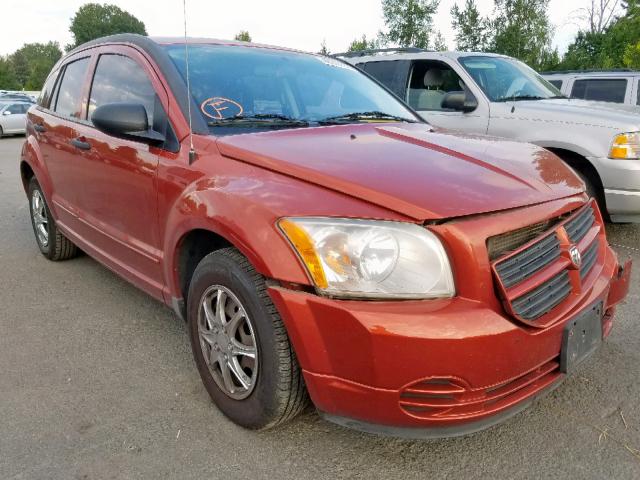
(362, 116)
(259, 119)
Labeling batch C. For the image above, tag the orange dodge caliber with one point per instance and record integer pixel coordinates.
(323, 243)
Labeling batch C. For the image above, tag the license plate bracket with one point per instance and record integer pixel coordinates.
(581, 337)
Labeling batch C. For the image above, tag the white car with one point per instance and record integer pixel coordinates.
(498, 95)
(13, 117)
(617, 86)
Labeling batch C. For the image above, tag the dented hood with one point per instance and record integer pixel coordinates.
(410, 169)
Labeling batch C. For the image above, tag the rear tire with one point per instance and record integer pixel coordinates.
(256, 393)
(1, 132)
(51, 242)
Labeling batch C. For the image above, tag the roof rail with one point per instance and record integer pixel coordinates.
(593, 70)
(364, 53)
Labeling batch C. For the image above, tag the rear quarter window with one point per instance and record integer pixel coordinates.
(556, 83)
(600, 89)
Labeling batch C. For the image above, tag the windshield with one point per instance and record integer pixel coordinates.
(237, 87)
(505, 79)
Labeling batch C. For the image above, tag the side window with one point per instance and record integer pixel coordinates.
(68, 98)
(430, 82)
(556, 83)
(600, 89)
(121, 79)
(24, 108)
(47, 90)
(392, 74)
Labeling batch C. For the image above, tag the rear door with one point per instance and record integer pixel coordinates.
(119, 194)
(55, 125)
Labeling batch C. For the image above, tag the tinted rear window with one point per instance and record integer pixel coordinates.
(47, 90)
(556, 83)
(600, 89)
(392, 74)
(68, 101)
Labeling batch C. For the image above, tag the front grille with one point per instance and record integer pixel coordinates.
(544, 298)
(589, 259)
(524, 264)
(537, 276)
(506, 243)
(578, 227)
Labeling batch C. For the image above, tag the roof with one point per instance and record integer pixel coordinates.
(604, 73)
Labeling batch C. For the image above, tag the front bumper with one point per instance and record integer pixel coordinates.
(428, 368)
(621, 181)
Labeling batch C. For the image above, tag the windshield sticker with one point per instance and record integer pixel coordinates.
(220, 108)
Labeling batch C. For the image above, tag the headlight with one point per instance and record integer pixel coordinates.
(373, 259)
(625, 146)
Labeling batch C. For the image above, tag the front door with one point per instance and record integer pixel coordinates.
(429, 83)
(119, 192)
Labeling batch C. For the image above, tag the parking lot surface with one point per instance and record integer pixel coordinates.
(97, 382)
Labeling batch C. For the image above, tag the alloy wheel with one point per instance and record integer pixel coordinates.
(228, 342)
(40, 219)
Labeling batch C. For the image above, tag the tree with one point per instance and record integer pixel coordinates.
(243, 36)
(8, 79)
(523, 30)
(323, 48)
(93, 20)
(439, 43)
(364, 43)
(599, 14)
(33, 62)
(409, 21)
(472, 30)
(632, 56)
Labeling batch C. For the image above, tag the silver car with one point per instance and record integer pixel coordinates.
(13, 117)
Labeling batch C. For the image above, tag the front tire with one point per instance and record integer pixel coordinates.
(51, 242)
(240, 345)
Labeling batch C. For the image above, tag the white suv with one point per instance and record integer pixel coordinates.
(498, 95)
(617, 86)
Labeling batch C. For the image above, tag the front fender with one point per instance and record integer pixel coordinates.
(249, 226)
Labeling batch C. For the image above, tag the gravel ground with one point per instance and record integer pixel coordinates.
(97, 382)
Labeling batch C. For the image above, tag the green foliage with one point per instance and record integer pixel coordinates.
(243, 36)
(472, 30)
(632, 56)
(522, 30)
(8, 80)
(32, 63)
(409, 21)
(93, 20)
(612, 48)
(363, 43)
(439, 43)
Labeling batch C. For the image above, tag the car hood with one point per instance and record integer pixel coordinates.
(564, 110)
(411, 169)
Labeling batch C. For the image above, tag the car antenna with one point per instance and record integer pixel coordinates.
(192, 151)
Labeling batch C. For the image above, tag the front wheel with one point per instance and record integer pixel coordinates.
(240, 344)
(51, 242)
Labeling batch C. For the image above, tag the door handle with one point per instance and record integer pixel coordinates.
(81, 144)
(39, 128)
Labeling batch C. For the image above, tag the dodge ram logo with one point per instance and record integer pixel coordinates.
(575, 256)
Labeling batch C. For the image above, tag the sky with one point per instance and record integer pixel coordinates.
(300, 24)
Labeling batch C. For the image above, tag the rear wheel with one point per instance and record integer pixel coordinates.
(1, 132)
(52, 243)
(240, 344)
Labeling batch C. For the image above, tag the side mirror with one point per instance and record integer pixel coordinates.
(6, 112)
(128, 120)
(460, 102)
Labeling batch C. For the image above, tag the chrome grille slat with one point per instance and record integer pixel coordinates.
(544, 298)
